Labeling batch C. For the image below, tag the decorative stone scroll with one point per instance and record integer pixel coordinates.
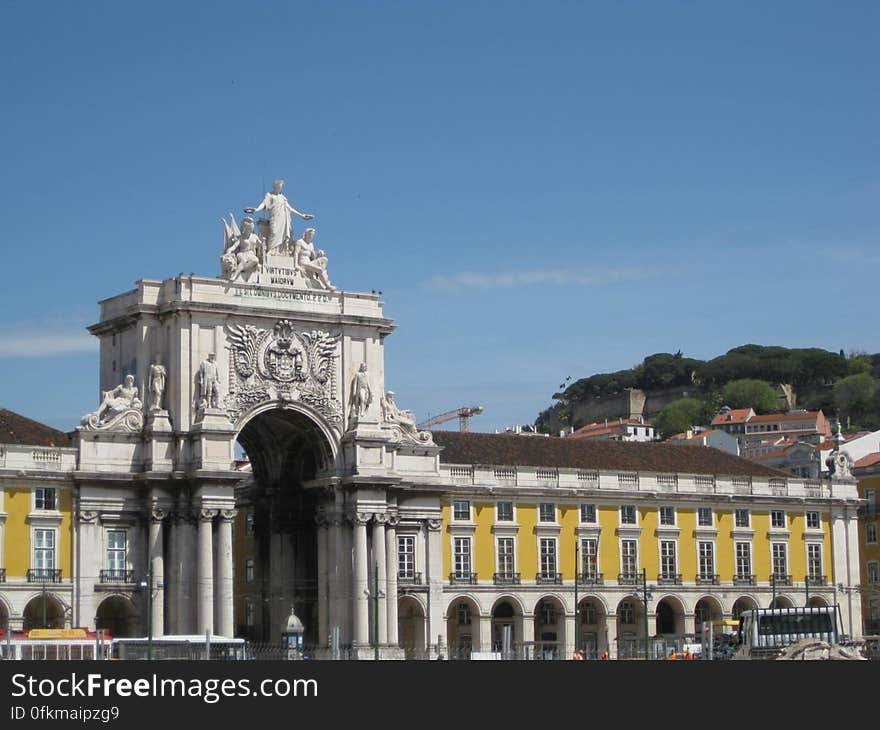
(283, 364)
(120, 410)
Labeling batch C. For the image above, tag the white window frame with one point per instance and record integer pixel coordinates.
(248, 570)
(871, 533)
(541, 568)
(635, 513)
(773, 546)
(700, 572)
(498, 566)
(541, 506)
(784, 519)
(512, 504)
(583, 513)
(34, 563)
(748, 515)
(817, 546)
(455, 503)
(403, 539)
(56, 496)
(585, 554)
(660, 515)
(623, 556)
(872, 572)
(808, 514)
(736, 559)
(107, 550)
(456, 571)
(664, 558)
(703, 510)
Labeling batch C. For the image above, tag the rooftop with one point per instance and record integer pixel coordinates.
(16, 429)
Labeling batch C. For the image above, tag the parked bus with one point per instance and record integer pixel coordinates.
(55, 644)
(181, 647)
(764, 632)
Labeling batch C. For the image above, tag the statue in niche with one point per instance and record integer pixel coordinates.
(279, 209)
(209, 383)
(361, 394)
(120, 409)
(243, 251)
(158, 375)
(313, 264)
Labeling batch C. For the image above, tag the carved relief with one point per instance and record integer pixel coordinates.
(282, 364)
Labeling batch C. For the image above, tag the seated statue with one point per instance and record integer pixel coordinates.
(392, 414)
(313, 264)
(120, 408)
(242, 255)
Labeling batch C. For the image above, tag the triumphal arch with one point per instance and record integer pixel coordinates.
(262, 387)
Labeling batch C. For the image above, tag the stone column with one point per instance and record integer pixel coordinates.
(568, 648)
(381, 579)
(333, 558)
(610, 639)
(391, 582)
(157, 573)
(434, 581)
(205, 572)
(359, 582)
(485, 633)
(323, 578)
(225, 625)
(690, 623)
(186, 591)
(172, 574)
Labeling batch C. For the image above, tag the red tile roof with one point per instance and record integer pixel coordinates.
(869, 460)
(735, 415)
(512, 450)
(796, 416)
(16, 429)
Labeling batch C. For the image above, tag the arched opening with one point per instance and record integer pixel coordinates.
(707, 609)
(743, 603)
(593, 628)
(669, 617)
(549, 628)
(117, 615)
(411, 627)
(630, 628)
(781, 602)
(817, 602)
(286, 448)
(4, 616)
(462, 628)
(507, 631)
(45, 611)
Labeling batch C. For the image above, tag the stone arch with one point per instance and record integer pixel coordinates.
(507, 616)
(817, 602)
(630, 627)
(411, 614)
(591, 625)
(743, 603)
(462, 626)
(707, 608)
(5, 613)
(669, 616)
(782, 601)
(118, 615)
(549, 627)
(44, 610)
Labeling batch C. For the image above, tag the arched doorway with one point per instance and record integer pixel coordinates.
(287, 446)
(506, 626)
(781, 602)
(743, 603)
(4, 615)
(593, 631)
(707, 609)
(411, 627)
(669, 617)
(817, 602)
(45, 611)
(549, 628)
(117, 615)
(462, 627)
(630, 628)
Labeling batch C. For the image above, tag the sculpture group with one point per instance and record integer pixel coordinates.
(245, 252)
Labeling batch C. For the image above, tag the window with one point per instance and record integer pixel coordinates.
(548, 557)
(627, 613)
(704, 516)
(588, 613)
(706, 554)
(116, 553)
(505, 557)
(741, 518)
(814, 560)
(406, 556)
(588, 514)
(743, 560)
(627, 514)
(548, 613)
(667, 559)
(629, 558)
(871, 496)
(780, 564)
(547, 512)
(249, 524)
(667, 515)
(589, 558)
(873, 572)
(462, 557)
(463, 612)
(813, 520)
(44, 498)
(777, 518)
(249, 570)
(505, 511)
(461, 509)
(871, 533)
(248, 613)
(44, 550)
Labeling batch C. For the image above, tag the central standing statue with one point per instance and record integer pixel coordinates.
(279, 210)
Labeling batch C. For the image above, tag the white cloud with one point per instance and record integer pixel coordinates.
(534, 277)
(42, 344)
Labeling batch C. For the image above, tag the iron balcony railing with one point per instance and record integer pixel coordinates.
(781, 579)
(506, 579)
(629, 579)
(817, 580)
(44, 575)
(405, 578)
(744, 580)
(549, 579)
(590, 579)
(669, 579)
(707, 579)
(463, 579)
(116, 576)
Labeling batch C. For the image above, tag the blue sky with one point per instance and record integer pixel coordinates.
(539, 189)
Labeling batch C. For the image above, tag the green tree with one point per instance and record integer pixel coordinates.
(853, 395)
(858, 362)
(757, 394)
(678, 416)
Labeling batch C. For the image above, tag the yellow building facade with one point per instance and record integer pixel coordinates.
(869, 545)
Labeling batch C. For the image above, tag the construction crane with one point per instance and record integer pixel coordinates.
(463, 414)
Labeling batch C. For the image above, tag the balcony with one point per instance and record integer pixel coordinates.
(44, 575)
(506, 579)
(549, 579)
(409, 578)
(463, 579)
(780, 579)
(708, 579)
(744, 580)
(816, 580)
(629, 579)
(669, 579)
(590, 579)
(116, 576)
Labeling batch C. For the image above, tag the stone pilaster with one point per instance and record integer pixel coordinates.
(391, 581)
(205, 571)
(321, 524)
(225, 625)
(359, 583)
(157, 572)
(380, 604)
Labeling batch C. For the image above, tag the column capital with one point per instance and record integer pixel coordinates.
(393, 520)
(360, 518)
(228, 515)
(380, 518)
(434, 525)
(157, 514)
(88, 517)
(322, 521)
(206, 515)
